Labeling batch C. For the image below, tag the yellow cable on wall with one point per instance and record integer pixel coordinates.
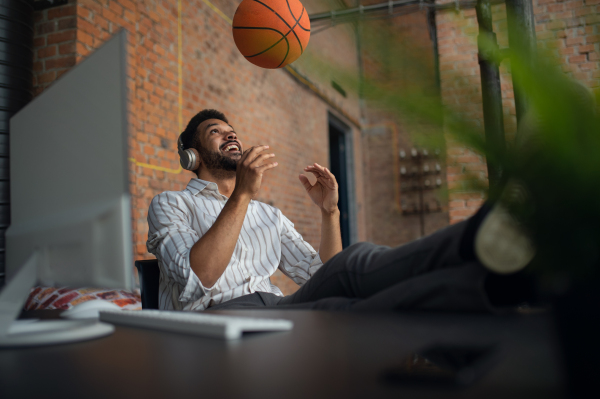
(215, 9)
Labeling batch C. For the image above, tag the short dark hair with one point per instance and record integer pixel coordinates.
(189, 135)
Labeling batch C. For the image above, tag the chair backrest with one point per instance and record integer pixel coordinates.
(149, 275)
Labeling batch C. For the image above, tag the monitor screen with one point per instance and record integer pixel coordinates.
(69, 180)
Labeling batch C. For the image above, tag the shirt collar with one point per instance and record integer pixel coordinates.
(196, 186)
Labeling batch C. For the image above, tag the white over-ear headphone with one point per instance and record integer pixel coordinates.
(188, 159)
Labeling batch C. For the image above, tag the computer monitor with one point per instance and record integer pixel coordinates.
(70, 202)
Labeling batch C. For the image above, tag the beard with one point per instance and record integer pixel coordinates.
(214, 160)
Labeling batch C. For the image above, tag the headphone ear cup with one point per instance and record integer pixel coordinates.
(194, 158)
(189, 159)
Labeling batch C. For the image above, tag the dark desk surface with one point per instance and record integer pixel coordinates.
(326, 355)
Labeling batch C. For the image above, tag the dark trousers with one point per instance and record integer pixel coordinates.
(432, 273)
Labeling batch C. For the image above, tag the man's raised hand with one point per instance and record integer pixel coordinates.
(324, 192)
(250, 170)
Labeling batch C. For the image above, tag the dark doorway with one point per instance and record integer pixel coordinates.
(338, 153)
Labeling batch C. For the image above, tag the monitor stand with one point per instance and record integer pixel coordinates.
(27, 333)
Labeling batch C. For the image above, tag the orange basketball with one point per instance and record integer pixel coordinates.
(271, 33)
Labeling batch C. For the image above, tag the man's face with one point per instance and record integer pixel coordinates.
(219, 146)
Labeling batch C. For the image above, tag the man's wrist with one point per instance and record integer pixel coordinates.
(240, 197)
(335, 212)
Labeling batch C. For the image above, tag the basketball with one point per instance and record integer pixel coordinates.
(271, 33)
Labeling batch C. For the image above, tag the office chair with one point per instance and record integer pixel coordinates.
(149, 275)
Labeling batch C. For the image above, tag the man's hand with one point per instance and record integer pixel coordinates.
(324, 192)
(250, 171)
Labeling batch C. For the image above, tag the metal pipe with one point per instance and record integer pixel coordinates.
(493, 119)
(522, 41)
(348, 14)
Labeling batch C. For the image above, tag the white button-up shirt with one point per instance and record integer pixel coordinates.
(267, 242)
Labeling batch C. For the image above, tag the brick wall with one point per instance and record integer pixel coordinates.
(570, 29)
(399, 53)
(265, 106)
(54, 43)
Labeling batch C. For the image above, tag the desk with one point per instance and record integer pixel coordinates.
(326, 355)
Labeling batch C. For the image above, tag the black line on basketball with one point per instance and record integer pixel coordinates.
(293, 16)
(296, 24)
(281, 18)
(276, 43)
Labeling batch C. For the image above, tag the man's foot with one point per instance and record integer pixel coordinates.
(501, 244)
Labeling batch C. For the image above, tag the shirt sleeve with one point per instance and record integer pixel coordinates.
(170, 239)
(299, 260)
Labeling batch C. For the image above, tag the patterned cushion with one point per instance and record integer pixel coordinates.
(66, 298)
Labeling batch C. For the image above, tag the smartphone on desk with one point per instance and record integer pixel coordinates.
(443, 365)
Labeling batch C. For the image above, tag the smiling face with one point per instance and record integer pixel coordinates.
(219, 146)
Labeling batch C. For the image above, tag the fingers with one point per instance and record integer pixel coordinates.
(260, 159)
(266, 166)
(323, 175)
(305, 182)
(252, 152)
(317, 170)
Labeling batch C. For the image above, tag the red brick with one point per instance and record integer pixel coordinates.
(128, 4)
(87, 27)
(63, 62)
(545, 35)
(456, 204)
(474, 203)
(129, 16)
(47, 77)
(555, 25)
(586, 49)
(81, 49)
(46, 52)
(574, 41)
(61, 11)
(39, 42)
(67, 48)
(593, 39)
(462, 212)
(67, 23)
(583, 11)
(567, 50)
(573, 4)
(467, 159)
(84, 12)
(560, 7)
(116, 8)
(43, 28)
(85, 38)
(61, 37)
(577, 59)
(588, 66)
(109, 15)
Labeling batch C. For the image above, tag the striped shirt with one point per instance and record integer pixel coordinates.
(267, 242)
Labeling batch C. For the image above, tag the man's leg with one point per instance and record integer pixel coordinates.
(364, 270)
(257, 300)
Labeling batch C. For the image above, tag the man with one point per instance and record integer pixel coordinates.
(217, 247)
